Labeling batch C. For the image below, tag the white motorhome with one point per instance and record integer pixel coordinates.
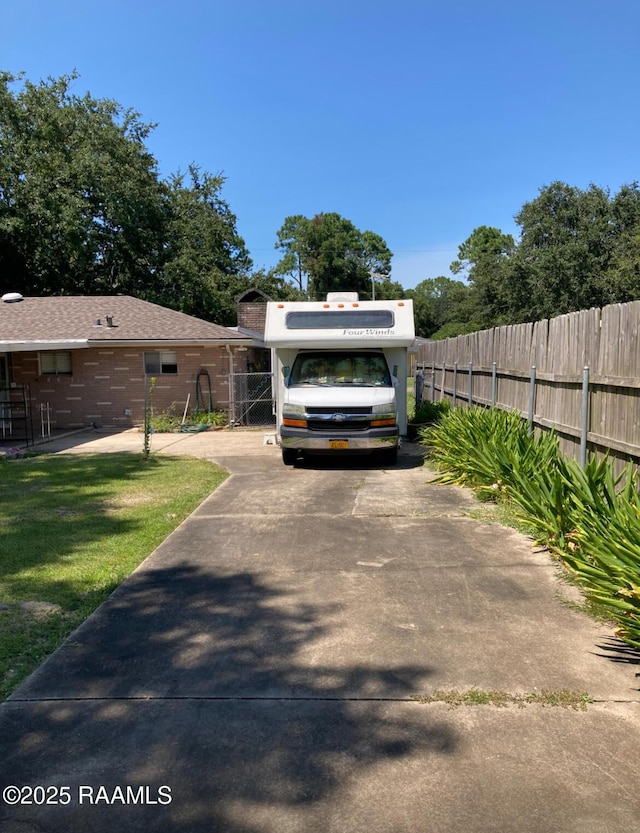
(340, 374)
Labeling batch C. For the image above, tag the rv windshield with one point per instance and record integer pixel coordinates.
(340, 368)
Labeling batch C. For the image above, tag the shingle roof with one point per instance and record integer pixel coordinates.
(76, 317)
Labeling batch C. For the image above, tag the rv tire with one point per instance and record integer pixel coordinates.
(289, 456)
(389, 457)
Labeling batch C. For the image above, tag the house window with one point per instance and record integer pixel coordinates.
(160, 361)
(55, 363)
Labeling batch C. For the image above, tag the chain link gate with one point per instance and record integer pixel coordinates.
(251, 399)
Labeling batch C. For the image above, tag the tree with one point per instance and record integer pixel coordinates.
(388, 290)
(81, 206)
(328, 253)
(577, 249)
(441, 301)
(565, 250)
(483, 258)
(623, 277)
(83, 210)
(291, 240)
(205, 264)
(485, 245)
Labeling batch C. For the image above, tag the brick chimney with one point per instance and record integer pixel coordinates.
(252, 310)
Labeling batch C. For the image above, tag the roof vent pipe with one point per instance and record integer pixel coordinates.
(109, 320)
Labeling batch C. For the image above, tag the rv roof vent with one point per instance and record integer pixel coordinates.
(12, 297)
(342, 296)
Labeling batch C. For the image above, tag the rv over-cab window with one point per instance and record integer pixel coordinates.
(357, 319)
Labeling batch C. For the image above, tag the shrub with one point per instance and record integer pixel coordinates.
(165, 421)
(557, 498)
(485, 449)
(429, 412)
(605, 555)
(216, 418)
(169, 421)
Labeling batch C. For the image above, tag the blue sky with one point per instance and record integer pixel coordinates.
(416, 120)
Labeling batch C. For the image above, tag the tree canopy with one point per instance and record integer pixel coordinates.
(565, 250)
(328, 253)
(442, 307)
(205, 261)
(81, 206)
(577, 248)
(484, 258)
(83, 209)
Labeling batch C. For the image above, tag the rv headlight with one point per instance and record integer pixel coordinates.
(293, 411)
(388, 408)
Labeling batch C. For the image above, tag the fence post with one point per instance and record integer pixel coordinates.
(45, 420)
(433, 381)
(584, 429)
(470, 384)
(494, 384)
(532, 397)
(455, 382)
(444, 371)
(419, 386)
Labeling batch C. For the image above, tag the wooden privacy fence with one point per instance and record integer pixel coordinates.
(578, 374)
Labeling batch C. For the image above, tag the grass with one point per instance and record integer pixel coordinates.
(477, 697)
(72, 527)
(498, 513)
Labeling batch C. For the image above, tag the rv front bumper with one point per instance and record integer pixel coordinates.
(373, 439)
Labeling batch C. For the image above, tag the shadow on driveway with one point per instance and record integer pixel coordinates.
(188, 678)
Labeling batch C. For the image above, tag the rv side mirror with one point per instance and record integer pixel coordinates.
(286, 371)
(395, 370)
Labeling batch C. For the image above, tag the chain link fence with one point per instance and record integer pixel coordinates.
(251, 399)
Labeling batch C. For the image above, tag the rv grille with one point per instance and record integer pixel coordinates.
(332, 425)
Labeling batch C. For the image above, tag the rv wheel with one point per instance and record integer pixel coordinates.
(389, 457)
(289, 456)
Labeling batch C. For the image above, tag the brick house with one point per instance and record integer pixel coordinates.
(84, 359)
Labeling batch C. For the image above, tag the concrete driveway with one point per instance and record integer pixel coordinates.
(258, 673)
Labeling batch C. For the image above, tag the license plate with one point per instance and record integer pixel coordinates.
(338, 443)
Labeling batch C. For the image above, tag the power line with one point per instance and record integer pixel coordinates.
(395, 252)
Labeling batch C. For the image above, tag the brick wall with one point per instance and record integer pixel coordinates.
(106, 386)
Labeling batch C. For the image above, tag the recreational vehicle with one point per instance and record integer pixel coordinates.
(340, 374)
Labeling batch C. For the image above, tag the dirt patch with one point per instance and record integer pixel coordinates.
(38, 610)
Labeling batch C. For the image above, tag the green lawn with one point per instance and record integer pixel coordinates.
(72, 527)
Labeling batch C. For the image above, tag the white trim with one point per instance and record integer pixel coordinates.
(158, 343)
(44, 344)
(76, 344)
